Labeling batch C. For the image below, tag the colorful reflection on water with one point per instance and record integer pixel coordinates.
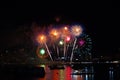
(64, 74)
(98, 72)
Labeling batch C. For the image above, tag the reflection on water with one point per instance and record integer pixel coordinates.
(111, 75)
(65, 74)
(98, 73)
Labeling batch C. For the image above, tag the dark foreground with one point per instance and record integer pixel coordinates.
(74, 72)
(21, 71)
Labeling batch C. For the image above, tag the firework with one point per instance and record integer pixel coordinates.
(76, 30)
(60, 40)
(41, 39)
(41, 52)
(54, 34)
(73, 49)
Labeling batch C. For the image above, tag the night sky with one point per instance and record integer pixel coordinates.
(99, 18)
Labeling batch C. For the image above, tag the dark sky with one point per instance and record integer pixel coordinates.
(100, 19)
